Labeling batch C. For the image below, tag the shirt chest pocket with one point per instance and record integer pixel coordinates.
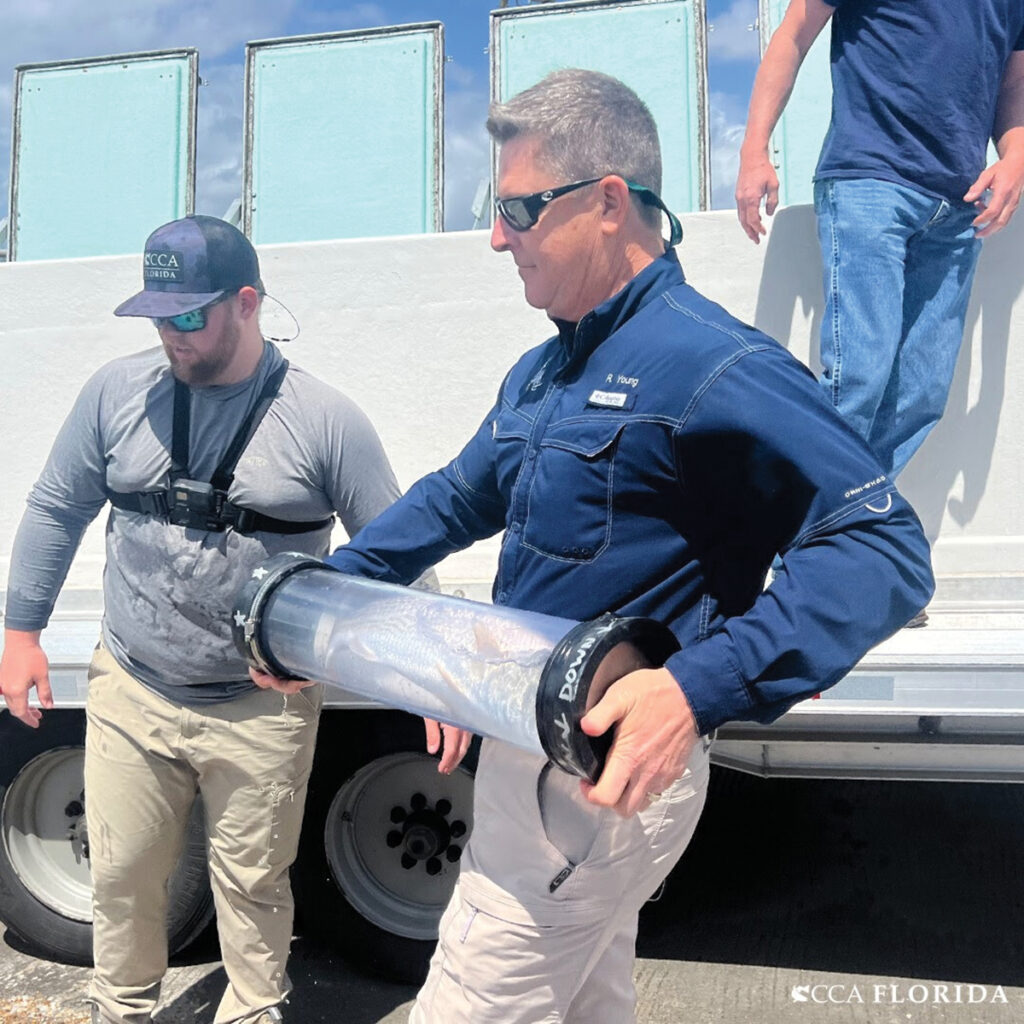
(569, 512)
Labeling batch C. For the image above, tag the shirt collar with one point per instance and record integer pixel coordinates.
(580, 339)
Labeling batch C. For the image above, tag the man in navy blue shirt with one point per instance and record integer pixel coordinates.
(648, 459)
(901, 190)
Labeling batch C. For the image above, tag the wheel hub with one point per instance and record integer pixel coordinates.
(425, 833)
(78, 833)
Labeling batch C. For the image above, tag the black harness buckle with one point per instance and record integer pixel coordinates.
(244, 519)
(153, 503)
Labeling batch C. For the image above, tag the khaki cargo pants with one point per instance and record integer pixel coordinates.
(145, 760)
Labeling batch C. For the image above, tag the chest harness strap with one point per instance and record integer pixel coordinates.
(205, 506)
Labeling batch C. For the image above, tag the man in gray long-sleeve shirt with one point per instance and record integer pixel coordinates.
(171, 708)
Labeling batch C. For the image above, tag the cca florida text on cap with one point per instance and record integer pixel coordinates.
(189, 263)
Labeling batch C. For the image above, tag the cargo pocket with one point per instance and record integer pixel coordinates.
(285, 821)
(574, 458)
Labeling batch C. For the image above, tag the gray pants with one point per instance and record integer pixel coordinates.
(145, 760)
(541, 927)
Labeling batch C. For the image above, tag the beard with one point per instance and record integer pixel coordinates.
(203, 370)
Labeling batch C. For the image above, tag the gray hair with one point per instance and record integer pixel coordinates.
(587, 125)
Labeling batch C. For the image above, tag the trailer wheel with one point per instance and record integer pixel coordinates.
(45, 883)
(381, 844)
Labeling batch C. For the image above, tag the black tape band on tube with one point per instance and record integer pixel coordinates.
(566, 680)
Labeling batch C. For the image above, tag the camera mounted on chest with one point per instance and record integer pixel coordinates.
(201, 504)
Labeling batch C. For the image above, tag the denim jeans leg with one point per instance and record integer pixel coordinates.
(897, 268)
(863, 246)
(941, 260)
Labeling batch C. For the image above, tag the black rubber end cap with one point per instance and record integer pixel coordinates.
(567, 678)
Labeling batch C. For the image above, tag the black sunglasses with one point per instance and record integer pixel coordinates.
(520, 213)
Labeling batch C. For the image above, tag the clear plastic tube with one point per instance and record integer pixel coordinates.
(463, 662)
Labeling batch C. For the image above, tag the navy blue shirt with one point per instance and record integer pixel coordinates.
(651, 460)
(914, 89)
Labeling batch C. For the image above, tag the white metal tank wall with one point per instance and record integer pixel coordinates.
(420, 331)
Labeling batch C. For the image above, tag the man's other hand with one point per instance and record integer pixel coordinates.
(655, 733)
(456, 743)
(757, 180)
(996, 195)
(23, 666)
(266, 681)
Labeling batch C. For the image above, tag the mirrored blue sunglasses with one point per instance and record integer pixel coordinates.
(193, 320)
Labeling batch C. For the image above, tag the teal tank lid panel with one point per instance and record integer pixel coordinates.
(102, 152)
(344, 136)
(797, 139)
(657, 47)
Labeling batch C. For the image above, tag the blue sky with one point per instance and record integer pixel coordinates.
(42, 30)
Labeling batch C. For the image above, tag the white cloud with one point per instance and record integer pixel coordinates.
(348, 17)
(459, 76)
(730, 35)
(219, 140)
(726, 136)
(467, 151)
(45, 30)
(65, 29)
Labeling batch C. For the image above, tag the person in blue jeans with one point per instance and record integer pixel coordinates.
(902, 193)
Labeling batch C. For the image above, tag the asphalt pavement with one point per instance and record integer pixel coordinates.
(798, 901)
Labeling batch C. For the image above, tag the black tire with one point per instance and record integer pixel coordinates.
(45, 891)
(380, 845)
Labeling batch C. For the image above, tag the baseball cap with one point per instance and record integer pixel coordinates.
(189, 263)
